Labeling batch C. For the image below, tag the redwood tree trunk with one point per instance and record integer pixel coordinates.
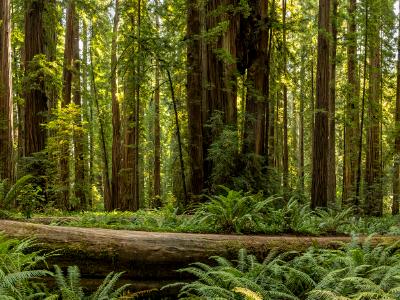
(67, 95)
(285, 158)
(319, 192)
(373, 171)
(116, 119)
(78, 135)
(6, 103)
(35, 99)
(396, 173)
(352, 123)
(332, 108)
(256, 102)
(194, 100)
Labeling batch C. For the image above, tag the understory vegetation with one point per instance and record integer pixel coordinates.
(355, 271)
(22, 276)
(228, 212)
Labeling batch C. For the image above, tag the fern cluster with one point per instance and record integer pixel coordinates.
(353, 272)
(21, 274)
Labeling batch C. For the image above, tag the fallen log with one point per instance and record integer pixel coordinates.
(150, 256)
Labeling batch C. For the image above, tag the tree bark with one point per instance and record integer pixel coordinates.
(80, 178)
(6, 101)
(257, 77)
(285, 158)
(332, 107)
(319, 192)
(352, 122)
(301, 120)
(396, 166)
(194, 101)
(35, 98)
(373, 171)
(156, 195)
(116, 120)
(67, 96)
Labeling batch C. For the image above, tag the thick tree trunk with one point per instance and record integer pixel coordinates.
(194, 100)
(256, 102)
(80, 178)
(319, 192)
(116, 119)
(6, 101)
(332, 107)
(373, 170)
(35, 99)
(396, 166)
(352, 122)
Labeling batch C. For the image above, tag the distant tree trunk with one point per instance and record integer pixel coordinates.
(396, 167)
(135, 205)
(67, 93)
(351, 111)
(80, 177)
(361, 129)
(6, 101)
(116, 119)
(178, 136)
(301, 121)
(373, 171)
(319, 192)
(194, 100)
(285, 158)
(86, 104)
(156, 195)
(332, 107)
(35, 99)
(103, 144)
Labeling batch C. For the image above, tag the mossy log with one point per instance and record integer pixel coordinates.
(151, 256)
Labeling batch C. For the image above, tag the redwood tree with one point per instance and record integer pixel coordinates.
(6, 104)
(352, 123)
(35, 97)
(319, 191)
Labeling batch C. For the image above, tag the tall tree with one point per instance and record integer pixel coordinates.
(67, 96)
(373, 171)
(116, 118)
(157, 127)
(6, 101)
(352, 123)
(332, 106)
(35, 96)
(80, 178)
(257, 54)
(194, 99)
(319, 191)
(285, 158)
(396, 173)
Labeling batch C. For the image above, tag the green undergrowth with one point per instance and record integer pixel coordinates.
(24, 275)
(354, 271)
(229, 212)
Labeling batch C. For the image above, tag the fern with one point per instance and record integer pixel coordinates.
(12, 194)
